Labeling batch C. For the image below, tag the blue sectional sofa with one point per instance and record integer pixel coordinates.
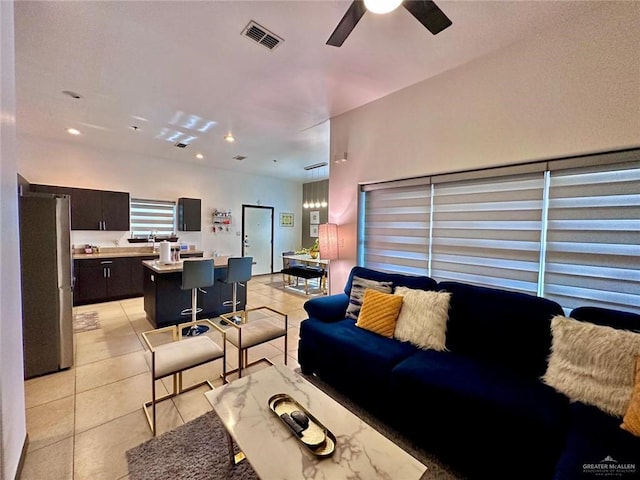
(480, 405)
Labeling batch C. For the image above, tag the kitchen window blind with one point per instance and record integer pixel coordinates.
(593, 238)
(149, 216)
(487, 231)
(396, 228)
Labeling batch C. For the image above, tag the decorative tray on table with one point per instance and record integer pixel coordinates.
(314, 436)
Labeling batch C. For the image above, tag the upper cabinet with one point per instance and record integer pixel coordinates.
(189, 214)
(99, 210)
(94, 209)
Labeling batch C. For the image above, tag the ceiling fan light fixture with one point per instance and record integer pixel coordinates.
(382, 6)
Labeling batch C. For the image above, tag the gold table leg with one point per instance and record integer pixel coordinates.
(234, 458)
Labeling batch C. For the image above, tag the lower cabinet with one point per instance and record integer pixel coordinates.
(106, 279)
(101, 279)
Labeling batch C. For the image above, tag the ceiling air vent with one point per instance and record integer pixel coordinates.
(259, 34)
(239, 157)
(180, 144)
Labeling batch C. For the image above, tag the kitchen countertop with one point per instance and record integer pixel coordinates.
(156, 266)
(124, 253)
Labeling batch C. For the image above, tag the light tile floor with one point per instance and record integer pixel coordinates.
(82, 421)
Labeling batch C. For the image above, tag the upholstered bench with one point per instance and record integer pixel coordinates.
(306, 272)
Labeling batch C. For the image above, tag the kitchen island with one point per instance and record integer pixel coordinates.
(165, 303)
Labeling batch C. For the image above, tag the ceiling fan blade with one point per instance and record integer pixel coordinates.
(428, 14)
(348, 22)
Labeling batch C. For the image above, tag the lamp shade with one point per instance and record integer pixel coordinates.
(328, 241)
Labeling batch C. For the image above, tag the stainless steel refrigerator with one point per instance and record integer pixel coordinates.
(46, 275)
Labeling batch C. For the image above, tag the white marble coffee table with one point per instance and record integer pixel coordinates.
(275, 453)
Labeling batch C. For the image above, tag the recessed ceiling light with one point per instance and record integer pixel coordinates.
(229, 138)
(73, 131)
(199, 156)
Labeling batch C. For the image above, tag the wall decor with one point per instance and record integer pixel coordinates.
(314, 217)
(286, 219)
(313, 230)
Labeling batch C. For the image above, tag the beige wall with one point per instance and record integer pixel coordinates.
(12, 422)
(63, 163)
(559, 93)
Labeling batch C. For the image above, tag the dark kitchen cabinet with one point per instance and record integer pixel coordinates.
(189, 214)
(51, 189)
(99, 280)
(99, 210)
(94, 209)
(86, 209)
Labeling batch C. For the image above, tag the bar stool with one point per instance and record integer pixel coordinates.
(196, 275)
(238, 271)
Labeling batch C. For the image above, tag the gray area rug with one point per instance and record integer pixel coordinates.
(198, 450)
(85, 322)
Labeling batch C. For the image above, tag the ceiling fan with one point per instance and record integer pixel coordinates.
(425, 11)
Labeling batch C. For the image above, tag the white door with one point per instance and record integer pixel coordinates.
(257, 230)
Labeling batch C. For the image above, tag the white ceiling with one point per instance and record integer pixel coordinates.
(173, 67)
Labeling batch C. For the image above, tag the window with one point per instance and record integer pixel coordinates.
(149, 216)
(396, 230)
(487, 231)
(568, 229)
(593, 238)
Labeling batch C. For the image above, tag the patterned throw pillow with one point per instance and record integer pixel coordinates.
(423, 318)
(631, 420)
(379, 312)
(358, 287)
(593, 364)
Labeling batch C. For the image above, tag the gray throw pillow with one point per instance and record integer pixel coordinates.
(358, 286)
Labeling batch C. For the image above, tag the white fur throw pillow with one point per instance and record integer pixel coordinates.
(423, 318)
(592, 364)
(358, 286)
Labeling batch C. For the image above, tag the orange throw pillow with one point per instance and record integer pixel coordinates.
(631, 419)
(379, 312)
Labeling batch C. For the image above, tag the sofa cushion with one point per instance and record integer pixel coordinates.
(508, 329)
(352, 359)
(592, 363)
(357, 294)
(631, 419)
(595, 445)
(398, 279)
(423, 318)
(379, 312)
(481, 385)
(458, 403)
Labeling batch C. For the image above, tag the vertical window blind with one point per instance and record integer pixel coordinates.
(487, 232)
(593, 238)
(152, 216)
(396, 229)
